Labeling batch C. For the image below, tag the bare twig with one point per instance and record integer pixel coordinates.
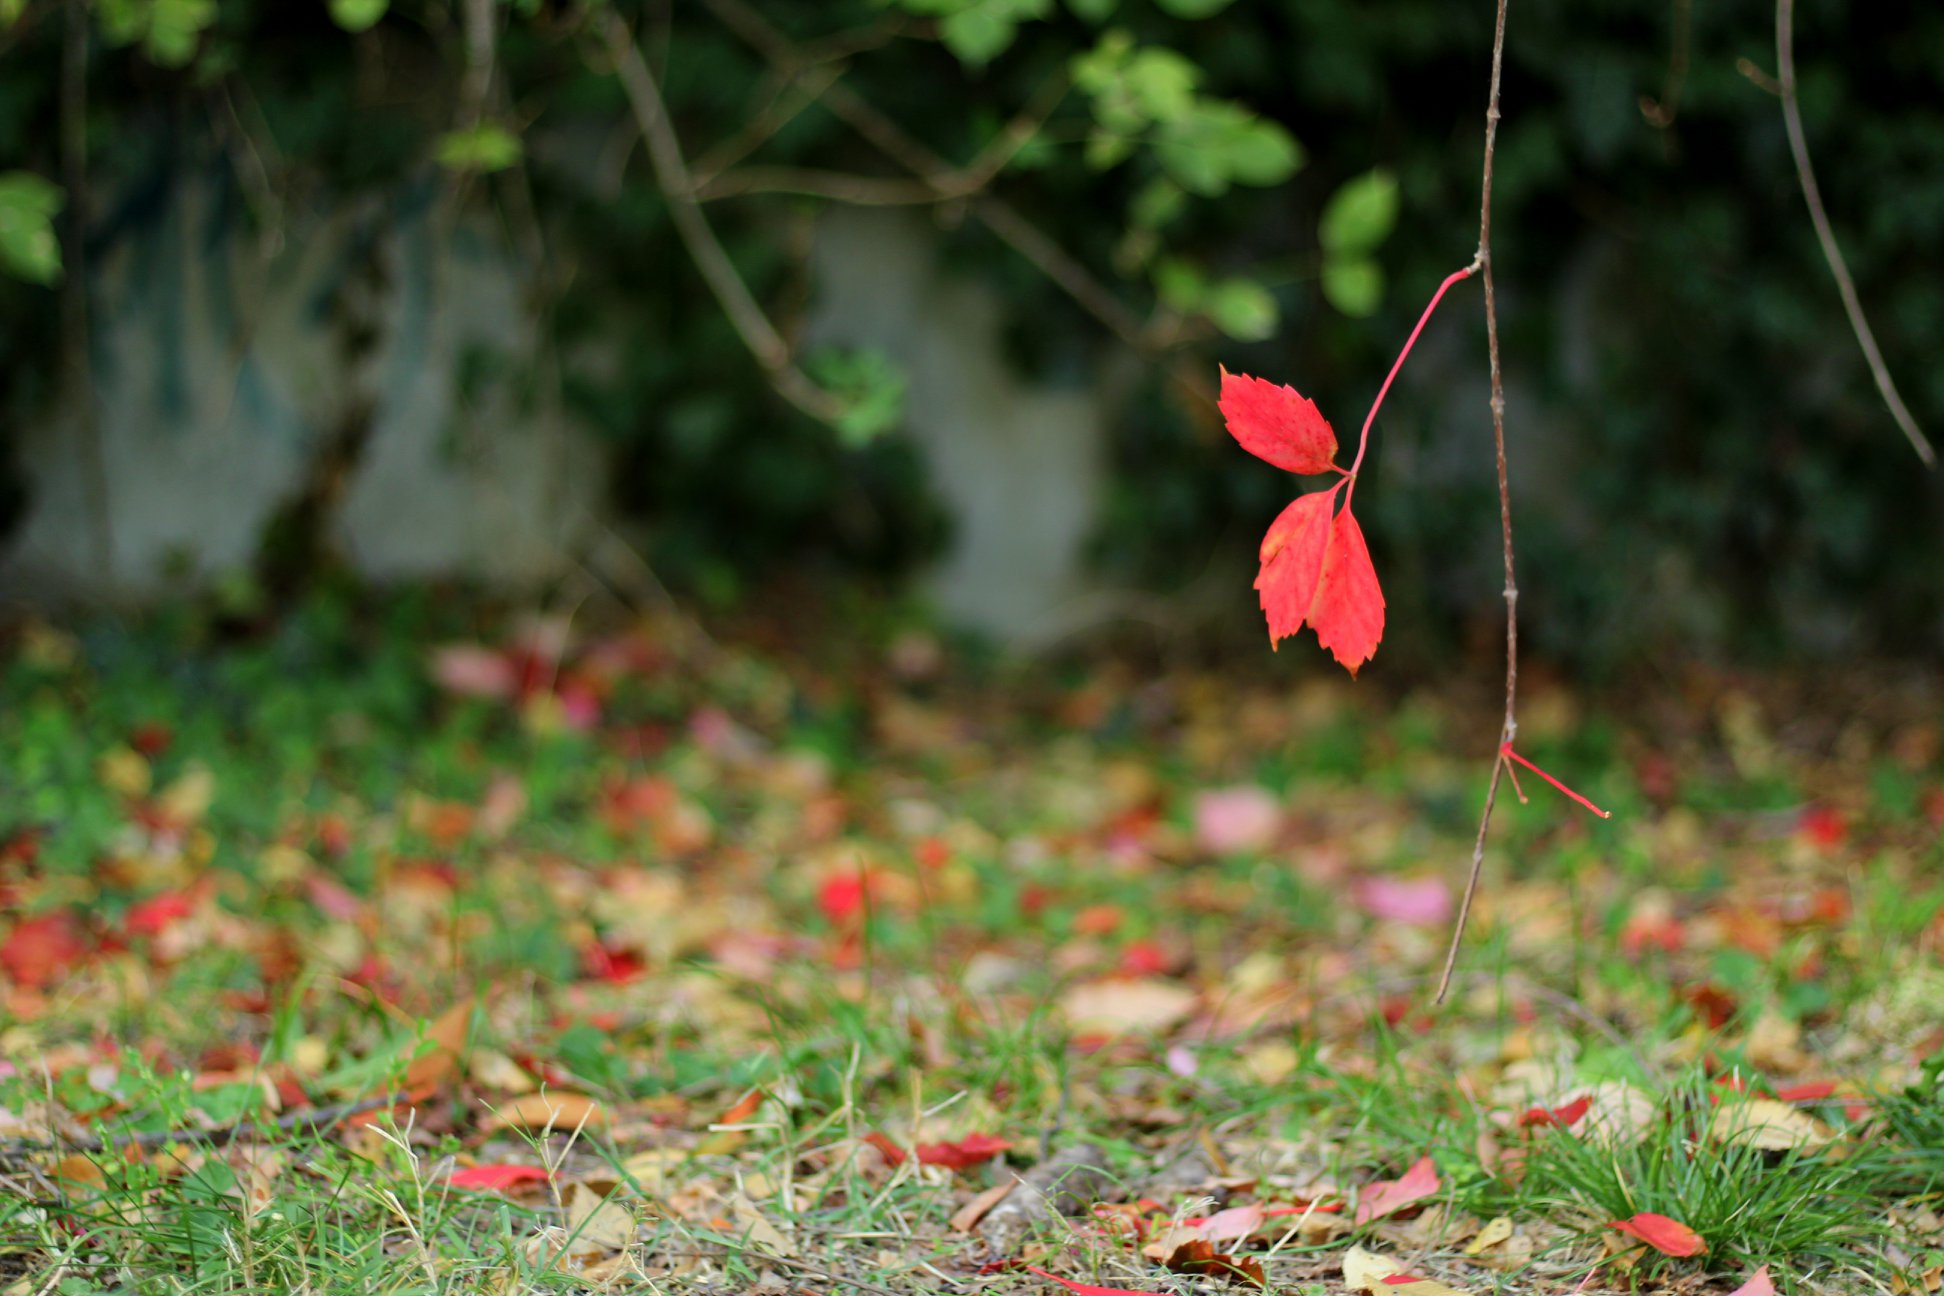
(1799, 147)
(948, 182)
(678, 190)
(1509, 730)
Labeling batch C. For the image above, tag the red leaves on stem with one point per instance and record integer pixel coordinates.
(1316, 569)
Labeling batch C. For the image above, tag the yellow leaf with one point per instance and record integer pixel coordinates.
(540, 1112)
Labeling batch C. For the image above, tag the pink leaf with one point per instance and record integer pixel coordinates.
(1389, 1195)
(1758, 1284)
(496, 1178)
(1233, 1224)
(155, 915)
(1424, 901)
(1235, 819)
(1277, 424)
(1088, 1289)
(1667, 1236)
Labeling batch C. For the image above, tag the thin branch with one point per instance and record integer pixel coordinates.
(1510, 728)
(787, 102)
(838, 186)
(1799, 147)
(678, 190)
(947, 181)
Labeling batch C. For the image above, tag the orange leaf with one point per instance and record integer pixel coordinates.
(1667, 1236)
(1389, 1195)
(1348, 615)
(1277, 424)
(548, 1111)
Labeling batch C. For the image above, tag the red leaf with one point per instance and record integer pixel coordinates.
(1349, 612)
(1667, 1236)
(1292, 562)
(1568, 1115)
(1758, 1284)
(496, 1178)
(155, 915)
(40, 949)
(1388, 1195)
(1277, 424)
(1088, 1289)
(968, 1151)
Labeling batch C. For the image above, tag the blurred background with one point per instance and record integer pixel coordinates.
(748, 300)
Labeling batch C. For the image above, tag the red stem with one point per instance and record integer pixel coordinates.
(1363, 440)
(1505, 750)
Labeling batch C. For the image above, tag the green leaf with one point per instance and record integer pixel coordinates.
(978, 31)
(28, 248)
(1160, 201)
(169, 31)
(1360, 215)
(10, 11)
(1354, 285)
(870, 387)
(358, 15)
(1220, 143)
(484, 147)
(1093, 11)
(1180, 284)
(1194, 8)
(1242, 308)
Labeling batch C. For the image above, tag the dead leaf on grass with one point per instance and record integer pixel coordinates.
(1387, 1196)
(1375, 1275)
(1126, 1006)
(543, 1112)
(1768, 1125)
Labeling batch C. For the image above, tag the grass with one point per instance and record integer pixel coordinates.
(253, 878)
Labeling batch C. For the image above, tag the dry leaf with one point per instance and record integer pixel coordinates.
(1768, 1125)
(1490, 1236)
(1375, 1275)
(1120, 1007)
(972, 1212)
(596, 1222)
(542, 1112)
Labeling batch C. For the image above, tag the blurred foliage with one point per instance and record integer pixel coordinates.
(1699, 455)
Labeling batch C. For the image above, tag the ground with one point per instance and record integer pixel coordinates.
(405, 948)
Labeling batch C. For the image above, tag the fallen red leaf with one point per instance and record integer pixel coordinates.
(969, 1151)
(1277, 424)
(38, 950)
(1088, 1289)
(1758, 1284)
(155, 915)
(496, 1178)
(1667, 1236)
(1569, 1114)
(1390, 1195)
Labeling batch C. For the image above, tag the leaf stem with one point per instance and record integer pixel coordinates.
(1505, 750)
(1363, 439)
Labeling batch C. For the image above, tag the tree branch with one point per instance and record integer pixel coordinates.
(1799, 148)
(948, 182)
(678, 190)
(1510, 728)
